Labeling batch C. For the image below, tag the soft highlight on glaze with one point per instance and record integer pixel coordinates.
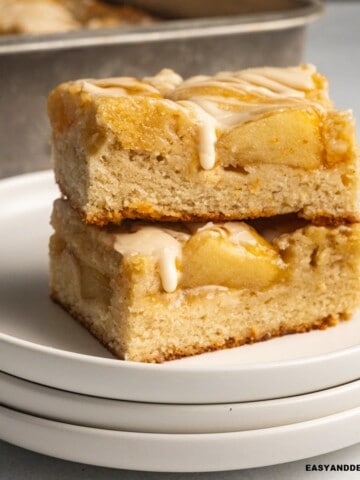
(220, 102)
(165, 244)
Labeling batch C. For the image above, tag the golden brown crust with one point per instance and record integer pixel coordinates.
(231, 342)
(180, 216)
(326, 220)
(115, 217)
(146, 212)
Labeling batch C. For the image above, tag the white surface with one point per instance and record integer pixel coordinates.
(180, 453)
(40, 342)
(19, 464)
(164, 418)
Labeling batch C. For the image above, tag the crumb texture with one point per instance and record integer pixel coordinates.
(121, 301)
(207, 148)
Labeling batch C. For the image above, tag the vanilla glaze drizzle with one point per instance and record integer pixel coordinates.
(220, 102)
(165, 244)
(217, 103)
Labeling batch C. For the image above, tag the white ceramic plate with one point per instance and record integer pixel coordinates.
(181, 453)
(41, 343)
(98, 412)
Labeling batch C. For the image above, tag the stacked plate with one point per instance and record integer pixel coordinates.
(62, 394)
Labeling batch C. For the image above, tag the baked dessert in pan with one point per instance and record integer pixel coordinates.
(55, 16)
(152, 292)
(254, 143)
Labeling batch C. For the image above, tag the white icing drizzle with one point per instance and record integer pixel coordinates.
(164, 81)
(265, 82)
(168, 270)
(273, 90)
(222, 98)
(116, 87)
(294, 78)
(218, 102)
(207, 134)
(155, 242)
(225, 119)
(238, 232)
(164, 244)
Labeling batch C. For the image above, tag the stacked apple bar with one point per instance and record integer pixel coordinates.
(205, 213)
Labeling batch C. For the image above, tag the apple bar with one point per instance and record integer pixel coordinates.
(149, 293)
(253, 143)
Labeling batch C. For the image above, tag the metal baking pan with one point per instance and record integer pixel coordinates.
(30, 66)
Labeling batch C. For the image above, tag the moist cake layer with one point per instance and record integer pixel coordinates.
(152, 293)
(254, 143)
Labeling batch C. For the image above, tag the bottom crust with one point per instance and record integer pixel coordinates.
(231, 342)
(121, 301)
(322, 219)
(93, 215)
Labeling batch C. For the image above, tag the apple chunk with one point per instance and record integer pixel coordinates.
(231, 255)
(290, 137)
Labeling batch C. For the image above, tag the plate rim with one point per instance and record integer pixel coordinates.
(150, 417)
(160, 367)
(46, 175)
(194, 373)
(182, 443)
